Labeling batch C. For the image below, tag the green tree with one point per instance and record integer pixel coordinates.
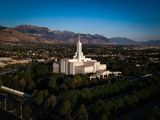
(1, 83)
(98, 107)
(63, 87)
(103, 117)
(51, 101)
(39, 69)
(38, 98)
(31, 85)
(52, 83)
(26, 112)
(22, 84)
(9, 104)
(28, 75)
(15, 81)
(82, 113)
(65, 109)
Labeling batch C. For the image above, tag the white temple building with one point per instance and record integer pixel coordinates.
(79, 64)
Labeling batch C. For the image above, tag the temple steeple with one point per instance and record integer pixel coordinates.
(79, 53)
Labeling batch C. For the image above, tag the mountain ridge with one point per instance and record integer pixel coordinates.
(123, 41)
(62, 36)
(152, 42)
(32, 33)
(13, 36)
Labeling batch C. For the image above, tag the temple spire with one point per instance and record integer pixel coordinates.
(79, 38)
(79, 53)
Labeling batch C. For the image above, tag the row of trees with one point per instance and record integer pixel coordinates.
(69, 103)
(118, 105)
(89, 95)
(44, 98)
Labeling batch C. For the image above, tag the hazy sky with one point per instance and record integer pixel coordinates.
(135, 19)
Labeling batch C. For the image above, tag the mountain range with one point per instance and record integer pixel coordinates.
(123, 41)
(151, 42)
(61, 36)
(31, 33)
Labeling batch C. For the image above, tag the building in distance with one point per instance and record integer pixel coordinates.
(79, 64)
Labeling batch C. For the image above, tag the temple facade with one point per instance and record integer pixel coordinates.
(79, 64)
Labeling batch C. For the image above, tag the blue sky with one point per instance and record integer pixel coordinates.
(135, 19)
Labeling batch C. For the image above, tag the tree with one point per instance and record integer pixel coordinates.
(98, 107)
(52, 83)
(26, 112)
(15, 81)
(9, 104)
(103, 117)
(39, 69)
(65, 109)
(82, 113)
(86, 94)
(68, 117)
(31, 85)
(38, 98)
(1, 83)
(28, 75)
(22, 84)
(51, 101)
(63, 87)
